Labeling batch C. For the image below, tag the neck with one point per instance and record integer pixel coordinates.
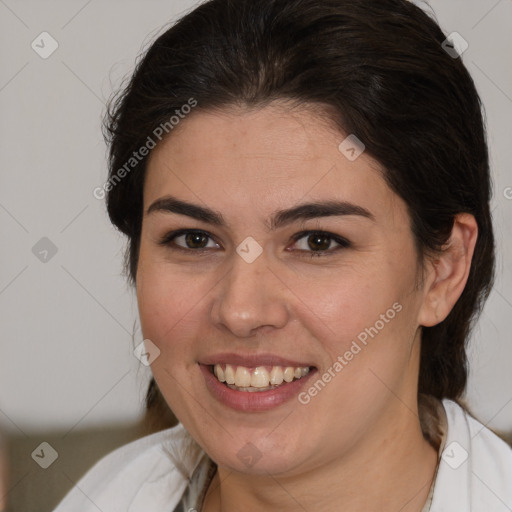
(391, 469)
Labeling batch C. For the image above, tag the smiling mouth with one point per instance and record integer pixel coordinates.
(259, 378)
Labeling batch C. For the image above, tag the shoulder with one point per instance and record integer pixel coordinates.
(149, 474)
(475, 470)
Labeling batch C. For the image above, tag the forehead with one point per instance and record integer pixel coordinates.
(263, 160)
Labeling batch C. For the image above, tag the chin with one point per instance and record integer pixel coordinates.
(259, 454)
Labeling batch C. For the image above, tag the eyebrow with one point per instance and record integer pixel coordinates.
(312, 210)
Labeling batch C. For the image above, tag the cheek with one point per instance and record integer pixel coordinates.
(366, 318)
(333, 306)
(340, 305)
(169, 301)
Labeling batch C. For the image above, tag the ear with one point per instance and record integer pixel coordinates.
(448, 274)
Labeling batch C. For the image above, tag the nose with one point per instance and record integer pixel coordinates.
(249, 298)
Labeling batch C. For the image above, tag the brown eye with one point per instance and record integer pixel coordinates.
(319, 243)
(188, 240)
(196, 240)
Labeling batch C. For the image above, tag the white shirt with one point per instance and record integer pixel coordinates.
(168, 472)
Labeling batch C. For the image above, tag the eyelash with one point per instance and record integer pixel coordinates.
(169, 238)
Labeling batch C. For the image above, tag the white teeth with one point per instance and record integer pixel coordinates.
(229, 374)
(276, 375)
(259, 378)
(219, 373)
(242, 377)
(288, 374)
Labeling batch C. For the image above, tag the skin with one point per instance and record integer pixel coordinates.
(357, 445)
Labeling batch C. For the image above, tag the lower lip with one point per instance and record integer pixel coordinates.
(252, 401)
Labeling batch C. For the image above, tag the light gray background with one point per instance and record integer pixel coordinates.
(66, 325)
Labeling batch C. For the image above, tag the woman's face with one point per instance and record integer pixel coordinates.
(251, 282)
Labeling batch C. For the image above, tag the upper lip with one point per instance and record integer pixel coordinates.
(251, 360)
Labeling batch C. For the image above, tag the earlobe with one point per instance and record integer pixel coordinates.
(449, 272)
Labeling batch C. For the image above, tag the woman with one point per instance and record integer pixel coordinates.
(305, 189)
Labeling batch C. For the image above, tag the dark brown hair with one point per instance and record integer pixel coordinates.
(379, 69)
